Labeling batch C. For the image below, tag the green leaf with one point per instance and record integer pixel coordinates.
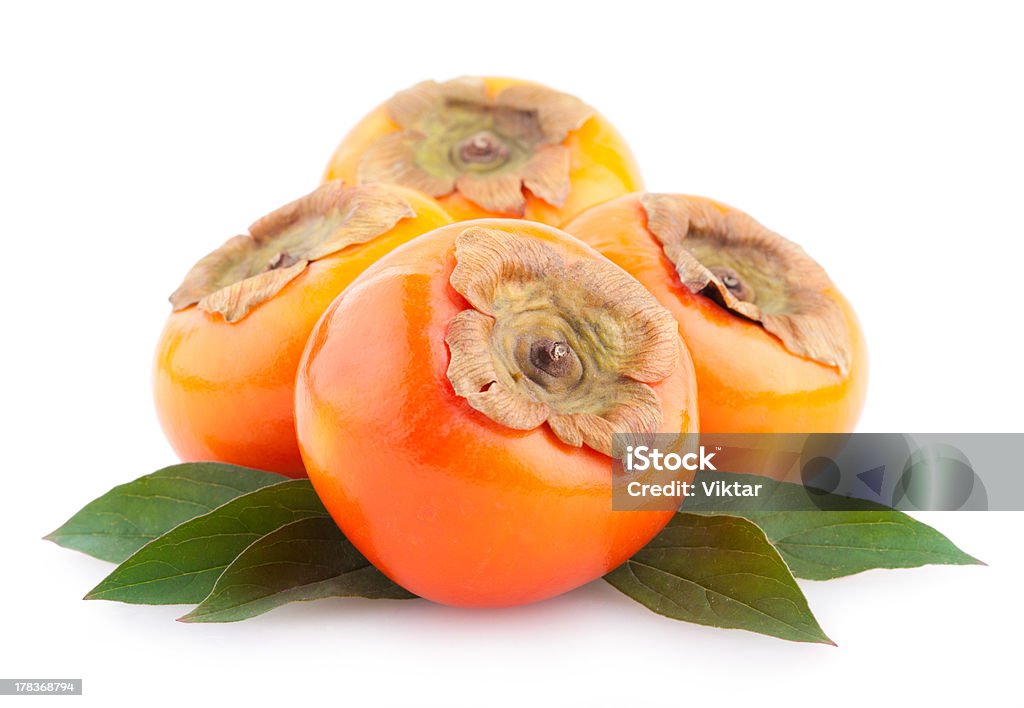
(307, 559)
(183, 565)
(824, 536)
(821, 545)
(719, 571)
(131, 515)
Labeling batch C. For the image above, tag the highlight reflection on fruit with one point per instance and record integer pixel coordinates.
(491, 147)
(455, 410)
(776, 347)
(225, 366)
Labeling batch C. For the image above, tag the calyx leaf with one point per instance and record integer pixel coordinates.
(250, 269)
(756, 273)
(571, 342)
(455, 137)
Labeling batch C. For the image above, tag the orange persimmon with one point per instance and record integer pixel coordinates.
(776, 347)
(455, 409)
(224, 376)
(491, 147)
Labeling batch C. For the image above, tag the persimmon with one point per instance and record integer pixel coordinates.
(491, 147)
(456, 406)
(776, 346)
(225, 364)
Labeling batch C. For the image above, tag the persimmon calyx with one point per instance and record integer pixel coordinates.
(456, 137)
(753, 272)
(574, 343)
(250, 269)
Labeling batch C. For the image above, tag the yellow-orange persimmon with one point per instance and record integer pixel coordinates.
(456, 406)
(225, 365)
(776, 347)
(491, 147)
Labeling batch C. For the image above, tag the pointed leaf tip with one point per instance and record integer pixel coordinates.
(719, 571)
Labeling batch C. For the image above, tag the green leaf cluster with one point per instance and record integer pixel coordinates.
(234, 541)
(237, 542)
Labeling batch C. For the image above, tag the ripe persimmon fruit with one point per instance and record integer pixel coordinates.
(456, 406)
(491, 147)
(225, 366)
(776, 346)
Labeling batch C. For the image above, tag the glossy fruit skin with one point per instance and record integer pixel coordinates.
(748, 382)
(603, 167)
(448, 503)
(225, 391)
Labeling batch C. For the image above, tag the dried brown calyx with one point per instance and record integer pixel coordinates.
(572, 343)
(455, 137)
(251, 269)
(754, 272)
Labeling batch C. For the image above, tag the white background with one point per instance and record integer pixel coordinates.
(886, 138)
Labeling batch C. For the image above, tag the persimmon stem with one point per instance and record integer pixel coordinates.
(281, 260)
(482, 148)
(732, 280)
(551, 357)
